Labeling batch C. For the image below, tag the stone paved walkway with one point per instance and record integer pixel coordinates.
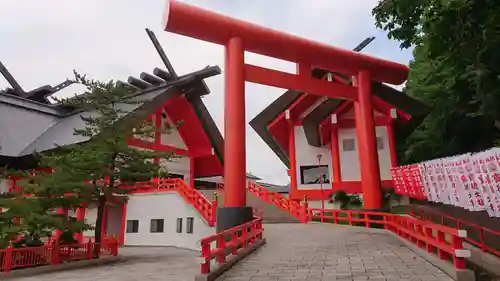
(309, 252)
(161, 263)
(316, 252)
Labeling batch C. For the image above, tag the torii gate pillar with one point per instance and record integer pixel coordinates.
(235, 211)
(367, 143)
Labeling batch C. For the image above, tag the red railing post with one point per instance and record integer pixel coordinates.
(205, 254)
(244, 233)
(89, 249)
(259, 228)
(305, 211)
(481, 239)
(215, 205)
(234, 237)
(55, 253)
(115, 244)
(221, 245)
(7, 263)
(430, 236)
(441, 240)
(456, 244)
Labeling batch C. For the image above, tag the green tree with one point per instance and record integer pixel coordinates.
(455, 70)
(96, 171)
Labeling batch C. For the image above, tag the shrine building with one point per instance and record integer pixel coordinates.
(315, 137)
(30, 123)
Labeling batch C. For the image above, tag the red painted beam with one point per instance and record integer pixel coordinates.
(282, 114)
(298, 106)
(306, 84)
(156, 146)
(351, 122)
(212, 27)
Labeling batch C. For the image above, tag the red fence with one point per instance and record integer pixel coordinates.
(16, 258)
(444, 241)
(296, 209)
(228, 242)
(206, 208)
(484, 238)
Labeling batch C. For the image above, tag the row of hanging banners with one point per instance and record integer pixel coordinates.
(470, 181)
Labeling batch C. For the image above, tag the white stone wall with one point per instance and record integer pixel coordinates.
(167, 206)
(349, 160)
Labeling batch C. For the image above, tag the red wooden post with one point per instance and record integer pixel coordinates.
(305, 211)
(55, 253)
(80, 216)
(89, 249)
(7, 264)
(429, 235)
(221, 245)
(244, 233)
(234, 125)
(292, 153)
(481, 239)
(456, 244)
(215, 205)
(259, 228)
(115, 244)
(441, 240)
(234, 237)
(205, 253)
(367, 144)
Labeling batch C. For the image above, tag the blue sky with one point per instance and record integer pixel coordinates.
(43, 41)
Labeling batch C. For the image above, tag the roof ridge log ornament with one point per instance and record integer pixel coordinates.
(192, 21)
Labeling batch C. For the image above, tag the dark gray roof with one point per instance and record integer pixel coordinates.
(275, 187)
(28, 126)
(24, 131)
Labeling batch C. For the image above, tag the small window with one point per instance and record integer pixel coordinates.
(348, 145)
(189, 225)
(179, 225)
(380, 143)
(175, 176)
(156, 225)
(314, 174)
(132, 226)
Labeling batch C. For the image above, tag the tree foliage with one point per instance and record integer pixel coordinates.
(455, 70)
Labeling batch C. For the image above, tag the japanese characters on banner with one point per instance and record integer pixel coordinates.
(469, 181)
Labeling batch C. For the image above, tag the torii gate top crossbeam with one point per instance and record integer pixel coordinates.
(208, 26)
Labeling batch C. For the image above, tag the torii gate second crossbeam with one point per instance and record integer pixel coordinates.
(238, 36)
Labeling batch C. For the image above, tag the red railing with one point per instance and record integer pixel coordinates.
(229, 242)
(16, 258)
(296, 209)
(484, 238)
(207, 209)
(444, 241)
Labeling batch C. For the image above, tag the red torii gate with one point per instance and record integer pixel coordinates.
(239, 36)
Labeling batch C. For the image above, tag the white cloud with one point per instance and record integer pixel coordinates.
(43, 41)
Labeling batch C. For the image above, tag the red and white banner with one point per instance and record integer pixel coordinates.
(470, 181)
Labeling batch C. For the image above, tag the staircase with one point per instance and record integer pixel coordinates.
(270, 213)
(274, 207)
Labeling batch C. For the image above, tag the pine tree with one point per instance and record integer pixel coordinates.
(96, 171)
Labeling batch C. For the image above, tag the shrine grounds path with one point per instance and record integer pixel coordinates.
(308, 252)
(313, 252)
